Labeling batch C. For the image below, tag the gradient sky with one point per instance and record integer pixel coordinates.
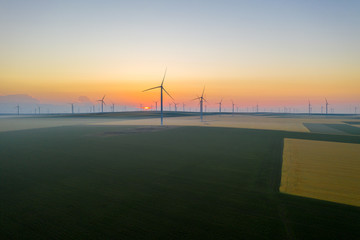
(266, 52)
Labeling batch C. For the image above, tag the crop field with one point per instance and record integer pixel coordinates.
(322, 170)
(301, 123)
(146, 182)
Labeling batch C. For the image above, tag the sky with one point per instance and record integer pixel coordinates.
(271, 53)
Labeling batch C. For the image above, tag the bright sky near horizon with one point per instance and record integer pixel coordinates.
(252, 51)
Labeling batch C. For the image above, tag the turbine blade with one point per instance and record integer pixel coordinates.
(164, 77)
(151, 88)
(196, 98)
(103, 97)
(168, 93)
(203, 92)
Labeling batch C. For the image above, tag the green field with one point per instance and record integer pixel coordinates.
(113, 182)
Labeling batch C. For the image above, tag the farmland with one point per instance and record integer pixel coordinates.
(322, 170)
(97, 180)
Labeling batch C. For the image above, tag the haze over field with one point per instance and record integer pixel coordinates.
(276, 54)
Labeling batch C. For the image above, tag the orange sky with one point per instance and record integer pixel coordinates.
(271, 54)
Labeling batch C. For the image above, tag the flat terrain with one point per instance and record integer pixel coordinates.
(322, 170)
(144, 182)
(331, 124)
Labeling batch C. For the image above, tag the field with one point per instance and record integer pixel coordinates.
(322, 170)
(97, 181)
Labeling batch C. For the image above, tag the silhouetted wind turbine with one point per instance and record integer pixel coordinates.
(102, 103)
(18, 109)
(309, 107)
(233, 105)
(327, 104)
(220, 104)
(202, 99)
(155, 105)
(161, 95)
(183, 107)
(72, 108)
(175, 104)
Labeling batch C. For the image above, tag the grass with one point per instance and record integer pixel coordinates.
(180, 183)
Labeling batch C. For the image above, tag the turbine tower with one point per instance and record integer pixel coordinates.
(233, 106)
(102, 103)
(72, 108)
(183, 107)
(202, 99)
(309, 107)
(175, 104)
(18, 109)
(220, 105)
(155, 105)
(327, 104)
(161, 96)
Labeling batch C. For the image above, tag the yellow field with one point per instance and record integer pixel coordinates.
(237, 121)
(323, 170)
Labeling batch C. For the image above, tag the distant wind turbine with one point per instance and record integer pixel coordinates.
(220, 105)
(309, 107)
(183, 107)
(175, 104)
(18, 109)
(155, 105)
(161, 96)
(102, 103)
(72, 108)
(233, 106)
(202, 99)
(327, 104)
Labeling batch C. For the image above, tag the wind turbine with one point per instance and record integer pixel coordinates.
(202, 99)
(155, 105)
(102, 103)
(18, 109)
(175, 104)
(220, 105)
(309, 107)
(72, 108)
(161, 96)
(183, 107)
(327, 104)
(233, 106)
